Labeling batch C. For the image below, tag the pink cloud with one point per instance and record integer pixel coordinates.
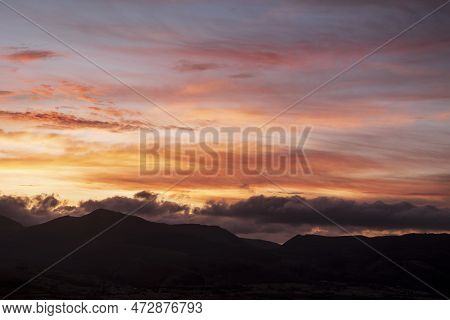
(29, 55)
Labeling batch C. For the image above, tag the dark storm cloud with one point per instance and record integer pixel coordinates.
(29, 210)
(41, 208)
(290, 211)
(127, 205)
(146, 195)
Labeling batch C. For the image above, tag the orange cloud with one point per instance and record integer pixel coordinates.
(29, 55)
(5, 93)
(43, 90)
(82, 92)
(58, 120)
(205, 87)
(114, 112)
(66, 89)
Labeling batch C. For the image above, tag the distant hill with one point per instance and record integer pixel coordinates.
(136, 258)
(8, 225)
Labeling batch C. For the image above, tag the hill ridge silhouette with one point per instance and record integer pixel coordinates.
(192, 260)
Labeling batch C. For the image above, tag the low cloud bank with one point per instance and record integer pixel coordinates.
(275, 218)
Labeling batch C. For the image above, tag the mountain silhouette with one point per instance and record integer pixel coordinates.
(138, 258)
(7, 225)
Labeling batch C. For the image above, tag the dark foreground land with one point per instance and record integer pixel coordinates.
(138, 259)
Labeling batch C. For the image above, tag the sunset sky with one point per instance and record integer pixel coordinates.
(380, 132)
